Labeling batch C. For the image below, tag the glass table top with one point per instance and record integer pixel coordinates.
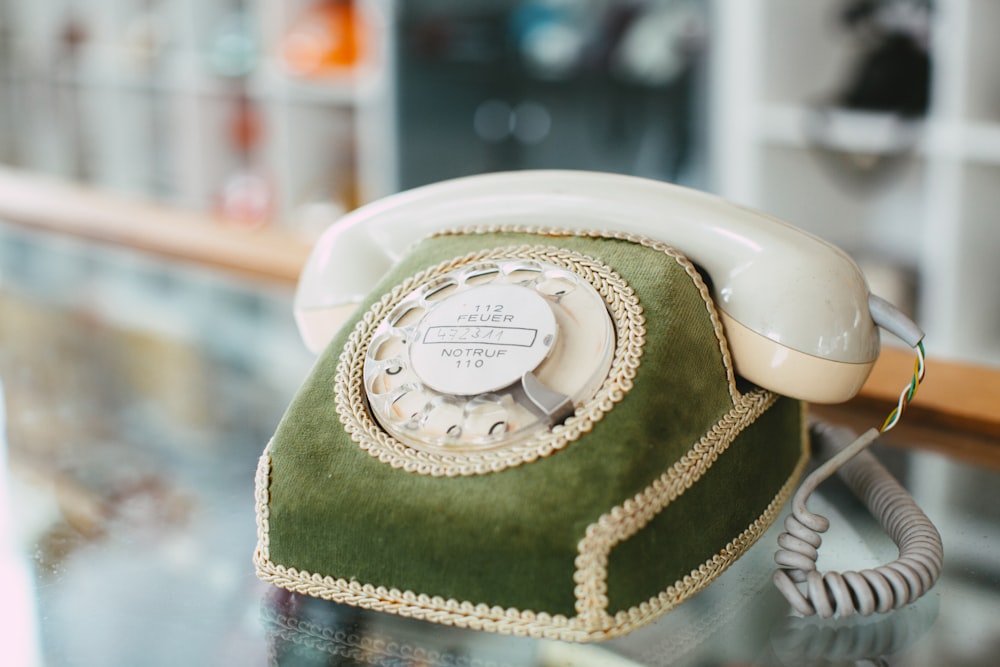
(138, 397)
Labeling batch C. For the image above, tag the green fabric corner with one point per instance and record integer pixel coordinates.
(733, 494)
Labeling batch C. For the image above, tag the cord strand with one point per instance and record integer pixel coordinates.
(883, 588)
(919, 368)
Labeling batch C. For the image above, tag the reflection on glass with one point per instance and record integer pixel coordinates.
(803, 641)
(308, 631)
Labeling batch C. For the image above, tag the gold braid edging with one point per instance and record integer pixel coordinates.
(592, 621)
(627, 519)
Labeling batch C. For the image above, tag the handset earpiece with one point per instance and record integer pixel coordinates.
(795, 308)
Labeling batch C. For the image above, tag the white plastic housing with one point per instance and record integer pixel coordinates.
(801, 303)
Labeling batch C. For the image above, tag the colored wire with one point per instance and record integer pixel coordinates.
(909, 392)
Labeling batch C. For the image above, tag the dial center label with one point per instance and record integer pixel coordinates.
(482, 339)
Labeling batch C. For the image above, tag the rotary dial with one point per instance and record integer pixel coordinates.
(487, 355)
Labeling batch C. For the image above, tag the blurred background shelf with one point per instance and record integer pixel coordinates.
(206, 106)
(222, 108)
(920, 218)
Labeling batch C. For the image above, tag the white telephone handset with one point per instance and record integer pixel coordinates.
(796, 310)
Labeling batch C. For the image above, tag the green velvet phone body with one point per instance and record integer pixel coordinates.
(657, 478)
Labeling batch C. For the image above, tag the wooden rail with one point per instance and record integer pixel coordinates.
(42, 203)
(957, 410)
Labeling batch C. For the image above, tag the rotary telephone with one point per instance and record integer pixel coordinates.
(797, 314)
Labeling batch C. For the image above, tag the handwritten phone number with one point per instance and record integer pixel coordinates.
(516, 336)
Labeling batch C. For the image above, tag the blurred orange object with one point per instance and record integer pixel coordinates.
(324, 40)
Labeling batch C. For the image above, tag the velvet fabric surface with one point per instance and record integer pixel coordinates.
(511, 538)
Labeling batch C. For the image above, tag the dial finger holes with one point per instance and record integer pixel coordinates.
(523, 273)
(392, 377)
(486, 416)
(387, 372)
(444, 418)
(406, 314)
(389, 347)
(408, 406)
(482, 275)
(555, 286)
(439, 289)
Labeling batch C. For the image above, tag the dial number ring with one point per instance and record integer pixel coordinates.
(444, 371)
(504, 428)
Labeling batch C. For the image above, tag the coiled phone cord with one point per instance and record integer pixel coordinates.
(883, 588)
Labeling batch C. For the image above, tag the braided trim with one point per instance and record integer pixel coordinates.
(637, 616)
(352, 408)
(592, 622)
(645, 242)
(434, 609)
(627, 519)
(262, 501)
